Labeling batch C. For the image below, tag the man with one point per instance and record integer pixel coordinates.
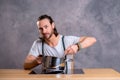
(53, 45)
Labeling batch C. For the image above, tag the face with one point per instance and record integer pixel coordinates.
(45, 28)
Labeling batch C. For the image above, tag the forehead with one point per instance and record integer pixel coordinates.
(43, 22)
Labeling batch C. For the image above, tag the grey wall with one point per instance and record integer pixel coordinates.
(98, 18)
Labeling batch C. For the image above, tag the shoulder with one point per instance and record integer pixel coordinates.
(37, 41)
(71, 37)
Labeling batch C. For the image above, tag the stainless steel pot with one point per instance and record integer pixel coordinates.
(53, 65)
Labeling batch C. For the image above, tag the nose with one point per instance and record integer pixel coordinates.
(44, 31)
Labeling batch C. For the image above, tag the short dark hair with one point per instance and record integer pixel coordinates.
(50, 20)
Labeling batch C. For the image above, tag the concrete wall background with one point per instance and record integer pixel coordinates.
(98, 18)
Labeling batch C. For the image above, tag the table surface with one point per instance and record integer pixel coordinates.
(91, 74)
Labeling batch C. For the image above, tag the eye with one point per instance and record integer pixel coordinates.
(46, 27)
(40, 29)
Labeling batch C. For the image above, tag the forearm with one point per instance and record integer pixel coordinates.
(86, 42)
(30, 65)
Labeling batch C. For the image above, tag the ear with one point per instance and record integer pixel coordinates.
(37, 23)
(53, 25)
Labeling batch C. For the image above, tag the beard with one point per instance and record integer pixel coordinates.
(47, 36)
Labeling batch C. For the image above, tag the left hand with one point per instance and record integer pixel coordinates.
(71, 49)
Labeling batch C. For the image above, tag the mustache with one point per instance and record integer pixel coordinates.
(44, 33)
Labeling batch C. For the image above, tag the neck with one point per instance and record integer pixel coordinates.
(53, 41)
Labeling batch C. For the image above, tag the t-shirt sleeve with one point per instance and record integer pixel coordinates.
(35, 50)
(70, 40)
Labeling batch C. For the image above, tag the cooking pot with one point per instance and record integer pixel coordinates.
(53, 65)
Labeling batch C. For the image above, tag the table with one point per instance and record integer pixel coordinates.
(89, 74)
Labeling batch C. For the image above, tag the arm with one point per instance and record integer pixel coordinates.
(87, 41)
(84, 42)
(32, 61)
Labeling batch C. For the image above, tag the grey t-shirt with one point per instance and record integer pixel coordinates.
(57, 51)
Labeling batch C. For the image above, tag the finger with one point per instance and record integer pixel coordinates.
(38, 59)
(67, 50)
(73, 48)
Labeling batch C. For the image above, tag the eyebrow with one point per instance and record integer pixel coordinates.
(43, 26)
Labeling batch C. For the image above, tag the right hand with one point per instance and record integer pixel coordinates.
(39, 59)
